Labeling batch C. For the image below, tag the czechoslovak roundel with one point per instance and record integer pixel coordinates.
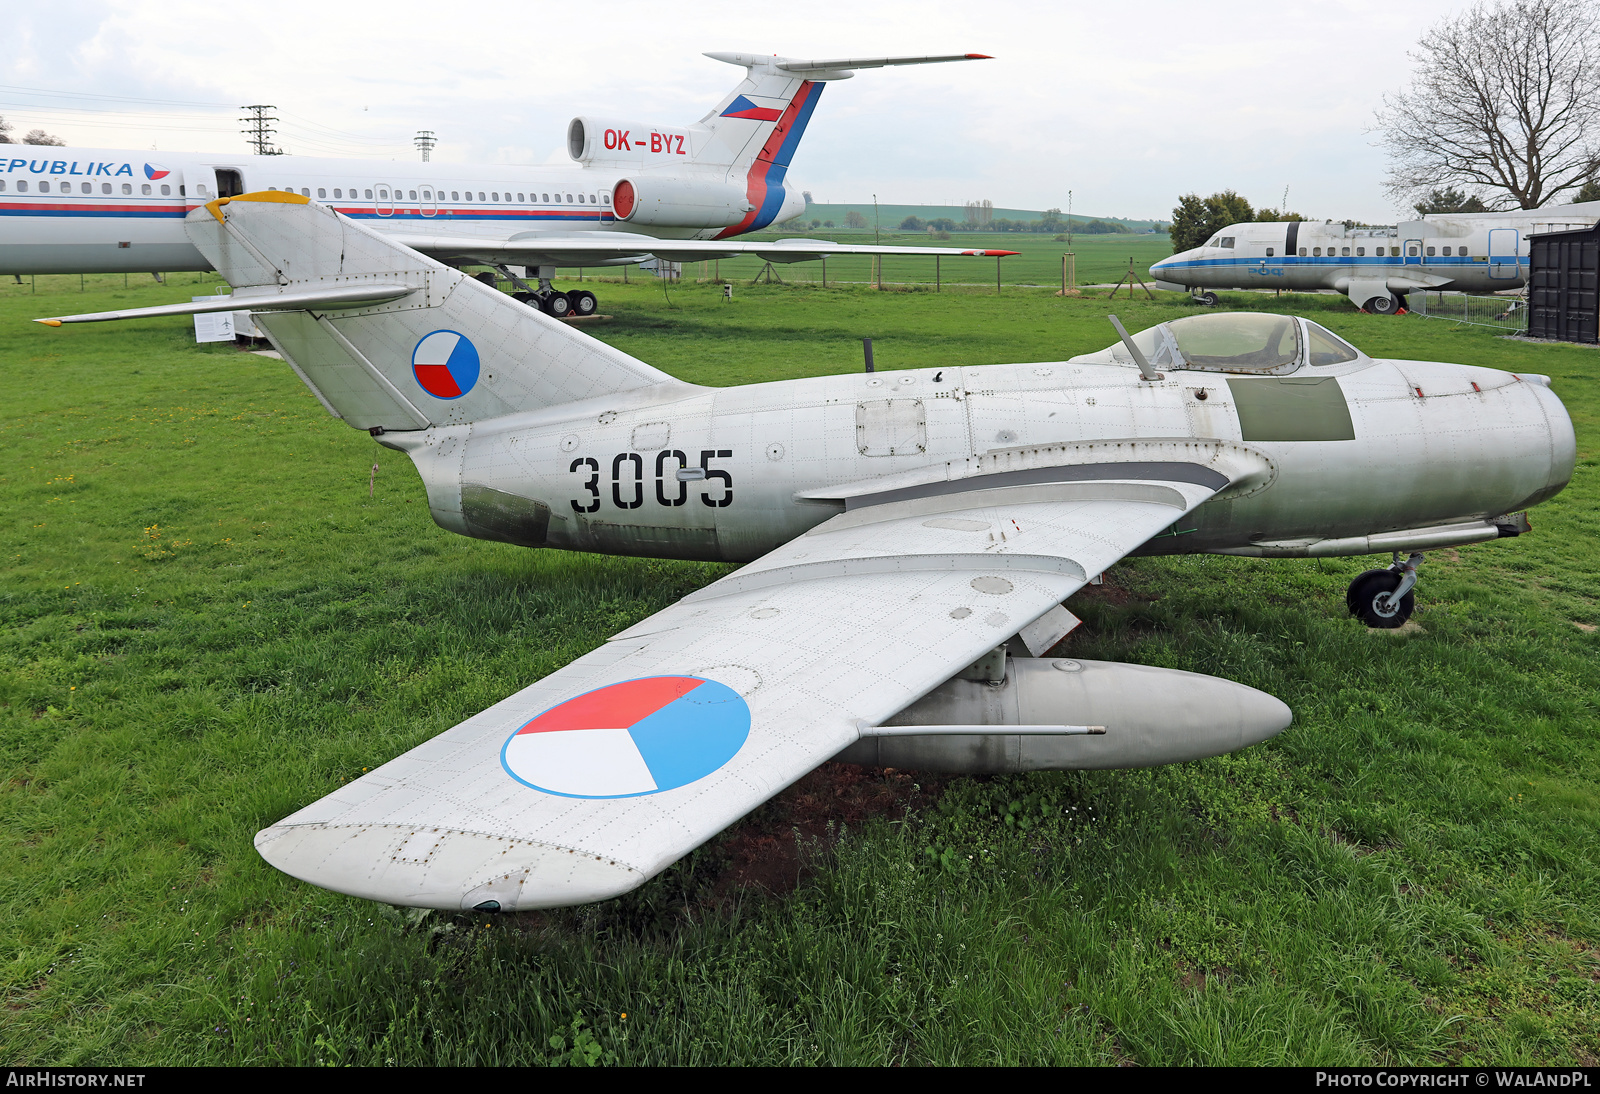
(624, 740)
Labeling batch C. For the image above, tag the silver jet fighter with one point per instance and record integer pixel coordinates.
(909, 538)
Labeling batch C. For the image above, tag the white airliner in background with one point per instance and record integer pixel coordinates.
(634, 191)
(1375, 267)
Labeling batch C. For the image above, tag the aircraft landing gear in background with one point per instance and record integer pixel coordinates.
(1205, 299)
(1384, 598)
(1383, 305)
(579, 302)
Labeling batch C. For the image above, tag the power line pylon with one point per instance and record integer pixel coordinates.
(425, 141)
(257, 132)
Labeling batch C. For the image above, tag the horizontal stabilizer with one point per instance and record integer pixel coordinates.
(842, 64)
(330, 298)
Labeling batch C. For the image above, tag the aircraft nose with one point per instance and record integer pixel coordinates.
(430, 867)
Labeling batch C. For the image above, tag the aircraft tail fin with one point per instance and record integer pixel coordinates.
(449, 351)
(757, 126)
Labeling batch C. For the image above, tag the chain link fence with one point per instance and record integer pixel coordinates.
(1506, 313)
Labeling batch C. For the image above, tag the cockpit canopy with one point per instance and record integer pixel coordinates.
(1247, 342)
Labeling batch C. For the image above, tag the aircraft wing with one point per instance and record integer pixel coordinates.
(583, 785)
(595, 248)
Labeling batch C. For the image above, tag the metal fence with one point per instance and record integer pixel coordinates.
(1507, 313)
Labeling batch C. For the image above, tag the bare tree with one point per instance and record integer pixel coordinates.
(39, 136)
(1505, 101)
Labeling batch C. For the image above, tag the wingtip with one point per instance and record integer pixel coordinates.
(980, 57)
(49, 322)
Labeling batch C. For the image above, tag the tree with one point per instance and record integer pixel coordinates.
(5, 130)
(1505, 100)
(1051, 222)
(39, 136)
(1273, 216)
(1449, 200)
(1589, 191)
(912, 224)
(1197, 219)
(854, 219)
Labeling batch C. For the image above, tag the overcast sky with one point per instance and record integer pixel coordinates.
(1126, 106)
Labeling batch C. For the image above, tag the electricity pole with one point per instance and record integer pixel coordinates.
(425, 141)
(257, 132)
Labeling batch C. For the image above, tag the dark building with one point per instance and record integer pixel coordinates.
(1563, 286)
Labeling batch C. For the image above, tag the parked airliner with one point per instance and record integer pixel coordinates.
(633, 191)
(1375, 267)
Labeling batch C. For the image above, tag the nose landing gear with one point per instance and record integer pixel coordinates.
(1383, 598)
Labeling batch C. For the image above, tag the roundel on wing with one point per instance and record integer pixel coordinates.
(445, 364)
(628, 739)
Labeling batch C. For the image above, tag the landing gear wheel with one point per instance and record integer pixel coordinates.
(1383, 305)
(525, 298)
(1370, 601)
(486, 277)
(1206, 299)
(557, 304)
(583, 302)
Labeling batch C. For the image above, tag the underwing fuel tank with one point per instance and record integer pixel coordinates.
(1150, 715)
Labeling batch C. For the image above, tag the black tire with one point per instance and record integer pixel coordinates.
(486, 277)
(583, 302)
(1369, 600)
(1206, 299)
(557, 304)
(525, 298)
(1383, 305)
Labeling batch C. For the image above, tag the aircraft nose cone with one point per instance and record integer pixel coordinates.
(427, 867)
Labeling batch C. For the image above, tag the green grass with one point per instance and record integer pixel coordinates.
(1100, 260)
(207, 623)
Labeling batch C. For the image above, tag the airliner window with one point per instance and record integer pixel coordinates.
(1213, 241)
(558, 199)
(520, 199)
(44, 188)
(1430, 252)
(305, 191)
(338, 193)
(480, 195)
(580, 199)
(1236, 342)
(454, 196)
(1447, 252)
(1227, 241)
(369, 193)
(1316, 252)
(591, 199)
(1302, 252)
(88, 188)
(1344, 252)
(22, 186)
(607, 199)
(413, 194)
(495, 195)
(545, 197)
(382, 193)
(569, 197)
(1461, 253)
(1361, 252)
(143, 189)
(166, 191)
(127, 188)
(1269, 252)
(1327, 348)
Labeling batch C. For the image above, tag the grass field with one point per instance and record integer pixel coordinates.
(1100, 260)
(207, 623)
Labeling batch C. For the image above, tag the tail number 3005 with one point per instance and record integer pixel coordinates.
(671, 482)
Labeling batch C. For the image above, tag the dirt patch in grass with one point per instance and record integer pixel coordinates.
(776, 847)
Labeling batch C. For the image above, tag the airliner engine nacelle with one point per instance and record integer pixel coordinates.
(603, 140)
(679, 203)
